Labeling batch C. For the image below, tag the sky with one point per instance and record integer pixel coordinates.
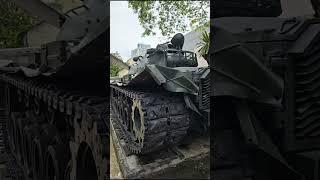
(126, 31)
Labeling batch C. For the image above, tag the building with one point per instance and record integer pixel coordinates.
(40, 34)
(130, 62)
(140, 50)
(118, 62)
(117, 55)
(43, 32)
(191, 43)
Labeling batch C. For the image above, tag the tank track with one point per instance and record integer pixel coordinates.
(53, 130)
(12, 168)
(149, 121)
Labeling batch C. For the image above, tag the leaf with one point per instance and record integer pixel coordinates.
(204, 44)
(170, 16)
(13, 21)
(114, 70)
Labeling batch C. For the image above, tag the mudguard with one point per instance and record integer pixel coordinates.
(179, 79)
(238, 72)
(174, 79)
(245, 69)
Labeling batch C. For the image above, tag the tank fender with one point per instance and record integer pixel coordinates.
(240, 73)
(172, 79)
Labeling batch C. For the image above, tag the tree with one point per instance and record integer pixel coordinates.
(13, 21)
(171, 16)
(114, 70)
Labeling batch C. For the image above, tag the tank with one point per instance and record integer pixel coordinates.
(163, 97)
(266, 79)
(54, 105)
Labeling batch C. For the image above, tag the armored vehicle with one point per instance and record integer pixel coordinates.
(161, 98)
(53, 102)
(265, 66)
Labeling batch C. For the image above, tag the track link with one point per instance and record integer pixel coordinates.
(80, 122)
(149, 121)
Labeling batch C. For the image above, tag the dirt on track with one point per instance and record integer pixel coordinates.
(114, 166)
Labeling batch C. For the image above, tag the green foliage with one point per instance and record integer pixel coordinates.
(170, 16)
(13, 21)
(204, 27)
(205, 43)
(114, 70)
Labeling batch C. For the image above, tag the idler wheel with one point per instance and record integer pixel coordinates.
(56, 161)
(40, 144)
(137, 118)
